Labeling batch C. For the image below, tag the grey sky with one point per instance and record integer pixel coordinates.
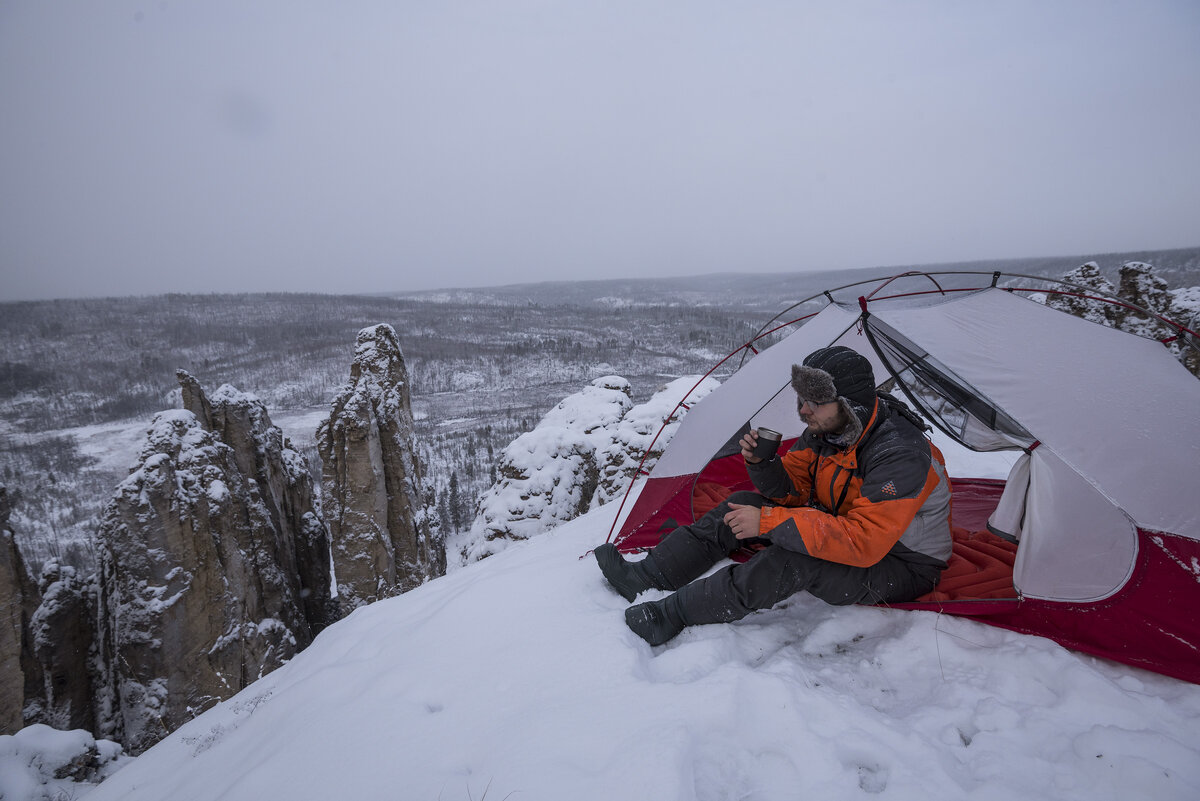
(205, 145)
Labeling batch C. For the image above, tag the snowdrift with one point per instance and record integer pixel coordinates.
(515, 677)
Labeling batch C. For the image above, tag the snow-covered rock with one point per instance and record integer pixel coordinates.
(62, 634)
(385, 540)
(1141, 287)
(1187, 300)
(278, 476)
(641, 431)
(1088, 277)
(40, 763)
(199, 588)
(582, 454)
(548, 475)
(18, 596)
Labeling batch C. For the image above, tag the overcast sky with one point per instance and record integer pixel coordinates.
(204, 145)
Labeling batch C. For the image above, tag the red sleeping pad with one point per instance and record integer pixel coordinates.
(980, 567)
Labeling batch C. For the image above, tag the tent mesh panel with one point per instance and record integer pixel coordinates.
(946, 400)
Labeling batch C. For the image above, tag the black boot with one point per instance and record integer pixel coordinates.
(656, 621)
(713, 599)
(628, 578)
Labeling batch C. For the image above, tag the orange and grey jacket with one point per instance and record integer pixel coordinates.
(887, 493)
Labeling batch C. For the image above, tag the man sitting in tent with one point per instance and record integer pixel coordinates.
(856, 512)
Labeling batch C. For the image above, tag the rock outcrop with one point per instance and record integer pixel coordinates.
(1089, 277)
(549, 475)
(40, 762)
(284, 485)
(641, 433)
(47, 653)
(210, 566)
(19, 677)
(1140, 287)
(63, 636)
(582, 454)
(384, 539)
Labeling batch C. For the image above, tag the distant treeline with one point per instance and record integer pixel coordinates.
(78, 362)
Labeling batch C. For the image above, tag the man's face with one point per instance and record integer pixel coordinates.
(823, 418)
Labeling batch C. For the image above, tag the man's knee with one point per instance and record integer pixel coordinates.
(743, 497)
(712, 526)
(772, 575)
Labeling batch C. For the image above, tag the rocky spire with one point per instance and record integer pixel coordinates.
(1141, 286)
(19, 677)
(47, 641)
(280, 476)
(212, 565)
(62, 631)
(382, 535)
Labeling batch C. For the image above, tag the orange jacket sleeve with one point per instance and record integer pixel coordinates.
(877, 510)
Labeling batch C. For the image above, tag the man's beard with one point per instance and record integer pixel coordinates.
(834, 426)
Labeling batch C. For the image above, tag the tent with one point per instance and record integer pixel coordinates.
(1099, 519)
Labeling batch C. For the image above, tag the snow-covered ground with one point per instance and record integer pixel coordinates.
(515, 677)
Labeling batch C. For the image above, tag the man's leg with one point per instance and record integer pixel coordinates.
(770, 576)
(680, 557)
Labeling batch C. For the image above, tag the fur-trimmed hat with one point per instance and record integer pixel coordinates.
(838, 371)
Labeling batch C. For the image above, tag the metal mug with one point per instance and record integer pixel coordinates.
(768, 443)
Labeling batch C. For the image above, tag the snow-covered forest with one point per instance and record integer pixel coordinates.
(488, 370)
(80, 374)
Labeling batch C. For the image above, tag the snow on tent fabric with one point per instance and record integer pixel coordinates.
(1105, 490)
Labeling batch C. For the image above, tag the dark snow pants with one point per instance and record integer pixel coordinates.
(772, 574)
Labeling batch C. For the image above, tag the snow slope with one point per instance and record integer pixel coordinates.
(515, 677)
